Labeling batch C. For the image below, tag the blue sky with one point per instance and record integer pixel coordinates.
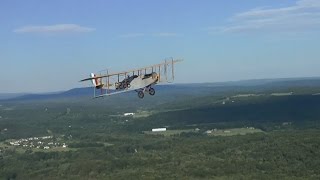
(51, 45)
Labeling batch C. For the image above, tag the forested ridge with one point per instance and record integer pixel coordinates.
(101, 143)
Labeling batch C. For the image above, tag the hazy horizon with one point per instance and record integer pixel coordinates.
(88, 85)
(50, 46)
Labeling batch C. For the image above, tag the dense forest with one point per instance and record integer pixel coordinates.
(83, 139)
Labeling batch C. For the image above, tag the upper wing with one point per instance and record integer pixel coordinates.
(154, 68)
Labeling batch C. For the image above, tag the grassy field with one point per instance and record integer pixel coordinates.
(215, 132)
(233, 132)
(169, 132)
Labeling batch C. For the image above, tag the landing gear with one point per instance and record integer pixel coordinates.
(140, 94)
(148, 89)
(152, 92)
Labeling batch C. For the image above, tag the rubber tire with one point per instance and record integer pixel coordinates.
(152, 92)
(140, 94)
(121, 86)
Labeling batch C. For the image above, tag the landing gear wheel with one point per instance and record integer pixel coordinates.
(140, 94)
(121, 86)
(152, 92)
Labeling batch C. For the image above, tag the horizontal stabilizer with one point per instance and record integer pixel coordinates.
(92, 78)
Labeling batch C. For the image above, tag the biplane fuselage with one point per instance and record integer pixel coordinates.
(140, 80)
(135, 82)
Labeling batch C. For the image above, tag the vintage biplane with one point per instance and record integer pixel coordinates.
(140, 80)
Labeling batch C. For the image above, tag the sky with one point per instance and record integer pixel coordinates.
(48, 46)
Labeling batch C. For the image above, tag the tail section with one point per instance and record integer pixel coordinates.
(97, 82)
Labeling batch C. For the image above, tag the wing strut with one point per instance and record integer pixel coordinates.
(172, 70)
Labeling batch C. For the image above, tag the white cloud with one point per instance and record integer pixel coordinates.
(57, 28)
(160, 34)
(304, 15)
(131, 35)
(166, 34)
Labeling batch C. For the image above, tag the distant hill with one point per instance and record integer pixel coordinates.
(76, 92)
(10, 95)
(184, 90)
(315, 81)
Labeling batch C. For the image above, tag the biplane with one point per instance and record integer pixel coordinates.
(141, 80)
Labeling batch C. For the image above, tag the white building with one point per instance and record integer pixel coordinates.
(159, 129)
(46, 137)
(128, 114)
(16, 143)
